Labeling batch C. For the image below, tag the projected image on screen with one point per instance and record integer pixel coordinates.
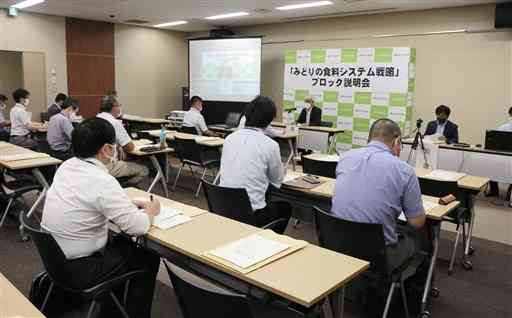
(225, 69)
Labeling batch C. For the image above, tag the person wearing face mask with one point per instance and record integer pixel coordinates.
(374, 186)
(442, 126)
(4, 123)
(194, 119)
(21, 123)
(311, 115)
(110, 110)
(81, 202)
(59, 131)
(56, 107)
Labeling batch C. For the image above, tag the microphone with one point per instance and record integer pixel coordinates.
(290, 110)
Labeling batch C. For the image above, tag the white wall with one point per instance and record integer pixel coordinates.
(38, 33)
(470, 72)
(151, 68)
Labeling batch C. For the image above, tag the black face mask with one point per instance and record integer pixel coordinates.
(441, 121)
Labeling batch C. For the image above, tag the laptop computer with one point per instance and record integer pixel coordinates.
(232, 120)
(498, 140)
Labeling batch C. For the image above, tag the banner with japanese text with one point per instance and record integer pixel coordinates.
(354, 87)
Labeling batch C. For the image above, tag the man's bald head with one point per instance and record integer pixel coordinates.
(385, 130)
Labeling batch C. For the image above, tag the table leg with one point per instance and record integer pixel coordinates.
(159, 176)
(436, 228)
(292, 155)
(471, 204)
(42, 181)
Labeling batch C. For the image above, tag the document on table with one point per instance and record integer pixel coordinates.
(168, 217)
(23, 156)
(445, 175)
(290, 177)
(249, 251)
(427, 206)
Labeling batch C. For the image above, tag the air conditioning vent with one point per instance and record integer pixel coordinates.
(136, 21)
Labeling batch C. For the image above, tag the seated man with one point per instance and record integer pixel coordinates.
(21, 121)
(194, 119)
(442, 126)
(82, 200)
(311, 115)
(4, 123)
(252, 160)
(56, 107)
(110, 110)
(374, 186)
(59, 131)
(494, 189)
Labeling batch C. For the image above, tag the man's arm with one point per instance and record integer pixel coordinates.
(412, 201)
(204, 129)
(302, 117)
(455, 137)
(275, 168)
(129, 147)
(430, 129)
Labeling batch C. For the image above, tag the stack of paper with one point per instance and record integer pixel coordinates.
(249, 251)
(169, 217)
(445, 175)
(23, 156)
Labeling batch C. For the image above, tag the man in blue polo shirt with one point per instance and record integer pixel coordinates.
(374, 186)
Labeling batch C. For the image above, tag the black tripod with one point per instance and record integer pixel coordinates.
(418, 140)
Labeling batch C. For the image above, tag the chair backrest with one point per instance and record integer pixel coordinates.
(360, 240)
(439, 188)
(187, 130)
(50, 252)
(232, 203)
(199, 301)
(326, 124)
(319, 168)
(45, 116)
(187, 149)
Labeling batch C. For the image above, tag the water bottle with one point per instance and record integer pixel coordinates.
(163, 133)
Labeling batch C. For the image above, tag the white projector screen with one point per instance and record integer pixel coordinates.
(226, 70)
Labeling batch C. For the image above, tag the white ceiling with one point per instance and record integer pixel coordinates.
(194, 11)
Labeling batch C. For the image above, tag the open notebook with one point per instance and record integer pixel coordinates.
(445, 175)
(168, 217)
(427, 205)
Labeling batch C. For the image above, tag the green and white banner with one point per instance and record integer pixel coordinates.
(354, 87)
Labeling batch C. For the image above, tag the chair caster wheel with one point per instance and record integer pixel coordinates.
(467, 265)
(471, 250)
(434, 292)
(425, 314)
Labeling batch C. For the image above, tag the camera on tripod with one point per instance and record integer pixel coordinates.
(419, 122)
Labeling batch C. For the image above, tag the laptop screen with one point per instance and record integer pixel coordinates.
(233, 119)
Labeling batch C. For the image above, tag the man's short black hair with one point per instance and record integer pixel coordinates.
(260, 112)
(3, 98)
(195, 99)
(107, 103)
(111, 92)
(443, 109)
(60, 97)
(68, 102)
(91, 135)
(509, 111)
(20, 93)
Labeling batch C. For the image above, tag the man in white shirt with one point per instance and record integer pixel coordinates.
(194, 119)
(79, 205)
(21, 123)
(252, 160)
(110, 109)
(494, 189)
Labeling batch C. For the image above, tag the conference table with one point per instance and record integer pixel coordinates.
(321, 196)
(27, 160)
(318, 138)
(302, 280)
(13, 304)
(217, 142)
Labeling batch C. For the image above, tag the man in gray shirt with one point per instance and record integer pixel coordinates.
(59, 131)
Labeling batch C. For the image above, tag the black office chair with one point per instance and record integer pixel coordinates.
(199, 302)
(55, 264)
(318, 167)
(192, 154)
(44, 116)
(364, 241)
(326, 124)
(187, 130)
(235, 204)
(10, 191)
(459, 216)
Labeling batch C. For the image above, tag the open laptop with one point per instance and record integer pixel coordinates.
(232, 120)
(498, 140)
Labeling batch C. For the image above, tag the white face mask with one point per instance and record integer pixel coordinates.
(3, 106)
(27, 102)
(113, 159)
